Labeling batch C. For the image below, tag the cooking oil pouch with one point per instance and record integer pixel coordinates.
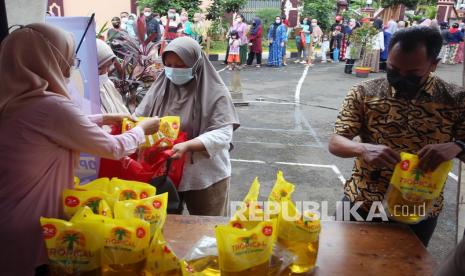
(202, 259)
(246, 252)
(300, 235)
(99, 184)
(104, 209)
(151, 209)
(250, 212)
(76, 181)
(167, 133)
(126, 244)
(73, 248)
(412, 192)
(127, 190)
(281, 189)
(161, 260)
(73, 200)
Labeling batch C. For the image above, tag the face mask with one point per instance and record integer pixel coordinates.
(254, 24)
(239, 19)
(103, 78)
(407, 86)
(278, 21)
(314, 24)
(116, 25)
(130, 22)
(124, 20)
(171, 15)
(179, 76)
(147, 14)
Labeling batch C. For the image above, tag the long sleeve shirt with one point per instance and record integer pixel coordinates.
(39, 148)
(202, 169)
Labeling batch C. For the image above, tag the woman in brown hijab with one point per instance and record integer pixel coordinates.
(191, 88)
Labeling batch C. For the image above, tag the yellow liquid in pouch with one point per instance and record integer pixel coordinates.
(406, 211)
(305, 255)
(207, 266)
(122, 270)
(262, 269)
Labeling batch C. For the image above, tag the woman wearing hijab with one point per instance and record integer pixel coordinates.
(192, 89)
(255, 42)
(276, 37)
(454, 38)
(131, 26)
(111, 100)
(42, 135)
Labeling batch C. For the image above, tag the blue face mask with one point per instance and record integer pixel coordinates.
(179, 76)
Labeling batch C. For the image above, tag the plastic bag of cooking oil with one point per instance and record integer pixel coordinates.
(246, 252)
(151, 209)
(76, 181)
(161, 260)
(167, 133)
(104, 209)
(126, 189)
(73, 248)
(281, 189)
(299, 233)
(202, 259)
(99, 184)
(126, 245)
(250, 213)
(73, 200)
(412, 192)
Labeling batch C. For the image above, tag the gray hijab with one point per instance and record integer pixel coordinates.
(204, 103)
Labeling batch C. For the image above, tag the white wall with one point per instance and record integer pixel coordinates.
(25, 11)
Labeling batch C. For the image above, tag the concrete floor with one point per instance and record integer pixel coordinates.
(277, 134)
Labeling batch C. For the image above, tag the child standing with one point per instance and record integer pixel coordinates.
(234, 50)
(324, 48)
(337, 36)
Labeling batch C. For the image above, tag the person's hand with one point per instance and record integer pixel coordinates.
(380, 156)
(282, 44)
(116, 119)
(180, 149)
(431, 156)
(150, 125)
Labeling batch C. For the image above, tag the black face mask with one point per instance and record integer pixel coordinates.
(254, 24)
(406, 86)
(116, 25)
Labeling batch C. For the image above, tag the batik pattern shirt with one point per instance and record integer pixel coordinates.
(373, 111)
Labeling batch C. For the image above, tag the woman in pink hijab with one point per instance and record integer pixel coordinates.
(42, 133)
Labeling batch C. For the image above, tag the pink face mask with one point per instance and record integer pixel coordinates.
(183, 18)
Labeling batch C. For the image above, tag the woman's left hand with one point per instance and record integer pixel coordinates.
(180, 149)
(116, 119)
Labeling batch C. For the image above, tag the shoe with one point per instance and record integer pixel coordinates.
(258, 66)
(323, 61)
(284, 64)
(303, 62)
(296, 61)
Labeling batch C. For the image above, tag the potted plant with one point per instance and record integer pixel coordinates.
(360, 42)
(139, 68)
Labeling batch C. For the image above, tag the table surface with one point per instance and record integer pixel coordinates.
(345, 247)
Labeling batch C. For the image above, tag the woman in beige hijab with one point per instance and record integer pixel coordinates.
(111, 100)
(42, 133)
(191, 88)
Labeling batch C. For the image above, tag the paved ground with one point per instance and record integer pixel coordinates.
(277, 134)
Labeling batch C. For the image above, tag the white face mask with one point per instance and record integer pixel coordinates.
(147, 14)
(103, 78)
(124, 20)
(179, 76)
